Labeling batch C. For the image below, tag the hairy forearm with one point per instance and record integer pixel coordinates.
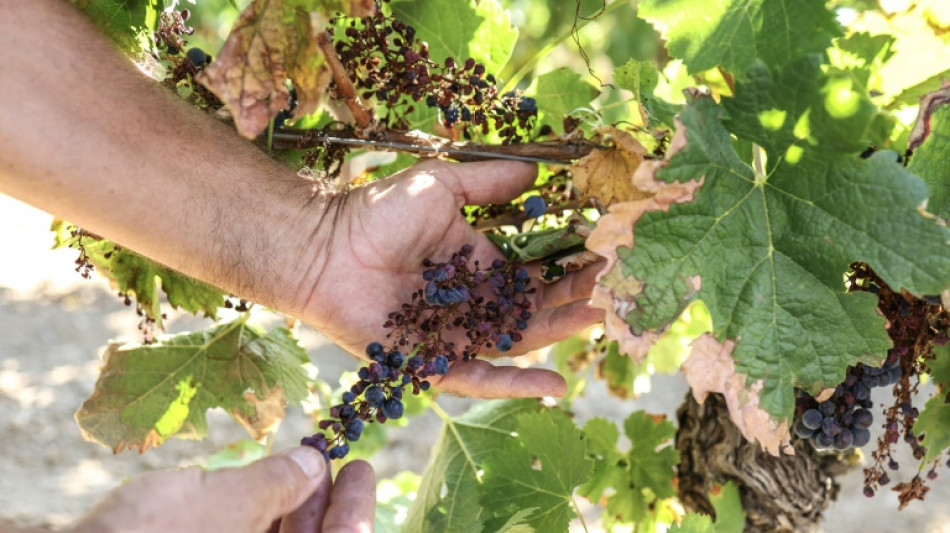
(86, 137)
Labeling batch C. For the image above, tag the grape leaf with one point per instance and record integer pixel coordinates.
(641, 78)
(608, 174)
(638, 477)
(930, 162)
(934, 419)
(140, 277)
(770, 249)
(146, 394)
(706, 34)
(539, 469)
(272, 40)
(128, 23)
(559, 93)
(726, 501)
(462, 29)
(449, 489)
(619, 372)
(694, 523)
(616, 292)
(711, 368)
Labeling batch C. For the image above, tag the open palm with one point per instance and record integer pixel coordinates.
(382, 233)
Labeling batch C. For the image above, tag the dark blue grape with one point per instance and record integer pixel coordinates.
(354, 428)
(528, 104)
(521, 324)
(431, 101)
(393, 408)
(812, 419)
(375, 396)
(397, 393)
(197, 56)
(862, 419)
(823, 441)
(339, 451)
(802, 431)
(349, 397)
(396, 359)
(451, 115)
(373, 349)
(424, 385)
(830, 427)
(535, 206)
(415, 363)
(862, 392)
(861, 437)
(504, 343)
(827, 408)
(441, 365)
(347, 412)
(843, 440)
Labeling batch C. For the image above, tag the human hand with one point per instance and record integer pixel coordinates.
(294, 488)
(381, 233)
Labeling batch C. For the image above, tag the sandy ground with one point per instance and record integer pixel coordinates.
(53, 325)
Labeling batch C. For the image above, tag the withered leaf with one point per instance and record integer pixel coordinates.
(273, 40)
(608, 174)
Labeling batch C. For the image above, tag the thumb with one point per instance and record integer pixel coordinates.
(483, 182)
(271, 487)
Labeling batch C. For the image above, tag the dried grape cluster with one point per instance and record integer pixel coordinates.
(490, 305)
(915, 325)
(385, 60)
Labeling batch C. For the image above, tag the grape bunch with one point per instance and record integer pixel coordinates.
(842, 421)
(491, 306)
(386, 61)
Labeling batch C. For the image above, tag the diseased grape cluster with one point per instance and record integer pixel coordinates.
(386, 62)
(915, 326)
(490, 305)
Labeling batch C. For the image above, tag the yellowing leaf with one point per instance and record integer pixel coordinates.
(146, 394)
(608, 174)
(615, 291)
(711, 368)
(272, 40)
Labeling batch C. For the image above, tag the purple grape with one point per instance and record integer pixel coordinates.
(803, 431)
(844, 440)
(812, 419)
(375, 396)
(354, 428)
(827, 408)
(830, 427)
(504, 343)
(823, 441)
(393, 408)
(441, 365)
(535, 206)
(861, 437)
(862, 419)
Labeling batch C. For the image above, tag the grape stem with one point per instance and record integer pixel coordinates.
(552, 152)
(344, 87)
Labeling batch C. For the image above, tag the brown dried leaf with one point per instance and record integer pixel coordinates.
(608, 174)
(260, 416)
(272, 40)
(711, 368)
(615, 291)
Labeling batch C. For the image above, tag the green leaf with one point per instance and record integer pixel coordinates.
(462, 29)
(934, 420)
(127, 22)
(640, 476)
(694, 523)
(393, 499)
(930, 162)
(464, 444)
(641, 78)
(560, 92)
(140, 277)
(539, 469)
(771, 249)
(730, 518)
(652, 459)
(734, 33)
(619, 370)
(146, 394)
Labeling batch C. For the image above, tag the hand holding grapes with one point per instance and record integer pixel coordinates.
(374, 260)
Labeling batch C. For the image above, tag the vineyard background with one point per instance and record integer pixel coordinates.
(52, 327)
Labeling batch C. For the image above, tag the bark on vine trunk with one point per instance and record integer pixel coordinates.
(779, 494)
